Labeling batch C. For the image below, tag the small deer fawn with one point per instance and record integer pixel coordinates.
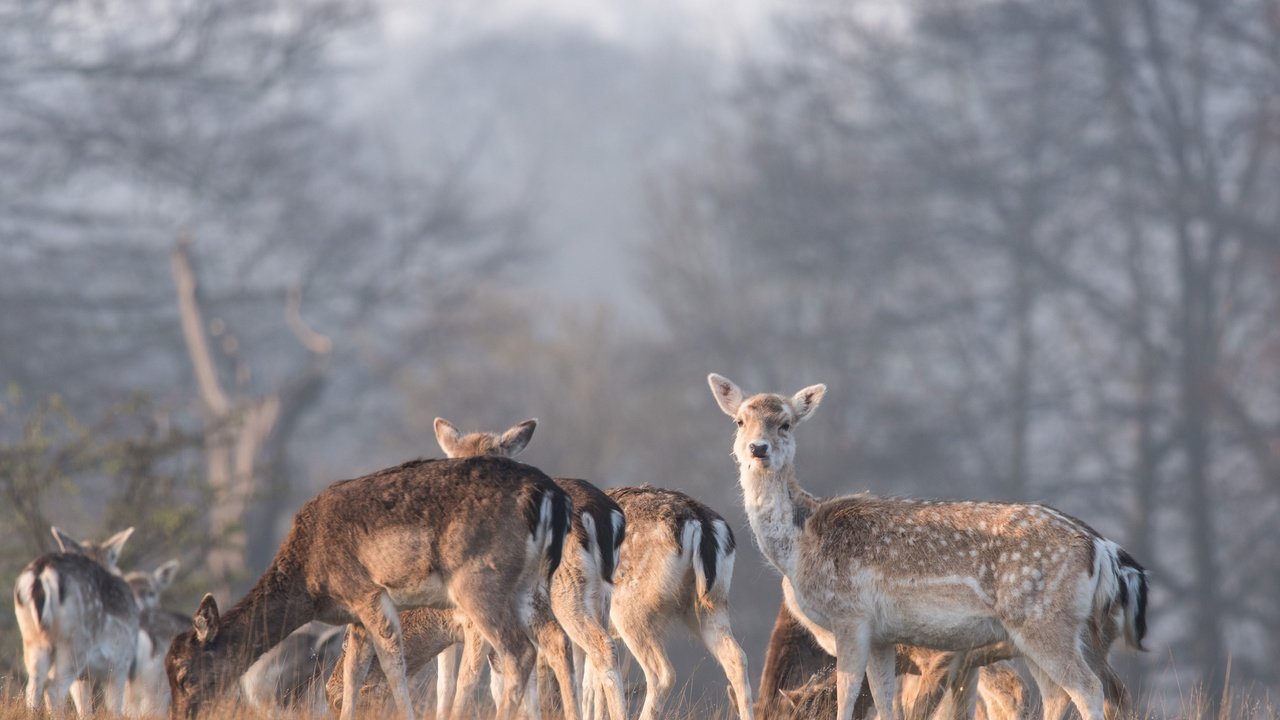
(79, 623)
(863, 573)
(148, 688)
(478, 534)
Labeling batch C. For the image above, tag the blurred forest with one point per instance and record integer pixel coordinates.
(1032, 248)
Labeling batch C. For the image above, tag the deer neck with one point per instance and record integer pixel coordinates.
(777, 508)
(277, 605)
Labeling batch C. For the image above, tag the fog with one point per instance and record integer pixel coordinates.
(1032, 250)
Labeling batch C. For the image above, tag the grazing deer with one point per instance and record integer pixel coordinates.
(863, 573)
(292, 674)
(79, 623)
(676, 564)
(999, 696)
(476, 534)
(148, 689)
(426, 633)
(580, 591)
(936, 683)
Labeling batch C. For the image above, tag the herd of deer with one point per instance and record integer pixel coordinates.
(483, 553)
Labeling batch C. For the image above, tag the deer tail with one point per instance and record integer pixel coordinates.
(1122, 587)
(38, 593)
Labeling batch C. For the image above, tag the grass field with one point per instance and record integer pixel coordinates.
(1237, 705)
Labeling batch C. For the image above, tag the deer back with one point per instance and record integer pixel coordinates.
(72, 603)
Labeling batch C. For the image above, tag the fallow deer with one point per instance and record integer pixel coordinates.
(476, 534)
(79, 623)
(293, 673)
(676, 564)
(580, 591)
(148, 689)
(863, 573)
(941, 684)
(999, 696)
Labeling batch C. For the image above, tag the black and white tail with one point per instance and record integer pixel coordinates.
(554, 510)
(710, 544)
(37, 593)
(1122, 587)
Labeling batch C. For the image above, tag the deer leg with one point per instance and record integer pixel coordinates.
(1116, 696)
(881, 677)
(497, 620)
(65, 675)
(446, 680)
(559, 656)
(81, 691)
(113, 690)
(595, 655)
(382, 626)
(1057, 653)
(475, 650)
(37, 660)
(853, 651)
(717, 635)
(357, 653)
(643, 634)
(1053, 699)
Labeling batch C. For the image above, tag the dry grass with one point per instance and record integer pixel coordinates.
(1235, 705)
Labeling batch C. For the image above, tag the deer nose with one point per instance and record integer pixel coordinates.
(759, 449)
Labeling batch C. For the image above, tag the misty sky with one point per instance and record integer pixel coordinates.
(572, 108)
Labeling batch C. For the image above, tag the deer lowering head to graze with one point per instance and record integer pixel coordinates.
(148, 688)
(580, 591)
(476, 534)
(79, 623)
(292, 674)
(863, 573)
(993, 692)
(676, 565)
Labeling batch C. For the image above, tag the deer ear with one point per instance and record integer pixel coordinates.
(447, 436)
(66, 543)
(515, 440)
(163, 576)
(791, 698)
(112, 547)
(728, 395)
(206, 620)
(807, 400)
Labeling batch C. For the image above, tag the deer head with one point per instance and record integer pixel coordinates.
(105, 553)
(147, 586)
(507, 444)
(765, 439)
(193, 662)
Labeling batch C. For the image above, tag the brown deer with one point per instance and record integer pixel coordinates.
(79, 623)
(1000, 695)
(580, 591)
(863, 573)
(676, 565)
(476, 534)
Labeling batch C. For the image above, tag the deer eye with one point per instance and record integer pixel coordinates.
(786, 426)
(741, 423)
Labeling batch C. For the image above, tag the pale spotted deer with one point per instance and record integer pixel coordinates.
(148, 689)
(676, 566)
(79, 623)
(863, 573)
(936, 684)
(478, 534)
(580, 592)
